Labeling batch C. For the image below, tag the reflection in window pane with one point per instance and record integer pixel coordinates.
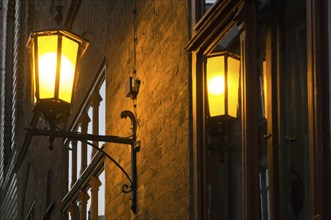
(264, 194)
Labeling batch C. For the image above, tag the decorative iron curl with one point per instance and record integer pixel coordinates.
(126, 188)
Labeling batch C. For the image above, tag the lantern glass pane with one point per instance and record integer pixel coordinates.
(68, 67)
(233, 86)
(47, 50)
(215, 84)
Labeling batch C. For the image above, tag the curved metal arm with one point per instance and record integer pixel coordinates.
(115, 162)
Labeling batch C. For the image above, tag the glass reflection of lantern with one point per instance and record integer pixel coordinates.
(223, 70)
(55, 55)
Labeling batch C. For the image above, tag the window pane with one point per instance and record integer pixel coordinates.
(294, 111)
(89, 205)
(101, 195)
(79, 155)
(102, 110)
(69, 167)
(89, 131)
(209, 3)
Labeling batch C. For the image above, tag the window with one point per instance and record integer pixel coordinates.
(264, 194)
(208, 4)
(85, 164)
(223, 137)
(217, 139)
(285, 118)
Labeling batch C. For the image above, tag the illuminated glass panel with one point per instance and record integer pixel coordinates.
(233, 86)
(47, 47)
(101, 195)
(215, 83)
(67, 71)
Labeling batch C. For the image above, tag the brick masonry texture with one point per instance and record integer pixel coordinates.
(162, 104)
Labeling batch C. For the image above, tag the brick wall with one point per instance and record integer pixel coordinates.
(162, 104)
(8, 186)
(8, 196)
(9, 71)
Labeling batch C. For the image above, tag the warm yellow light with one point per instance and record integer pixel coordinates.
(233, 86)
(66, 79)
(55, 56)
(47, 48)
(67, 72)
(217, 68)
(216, 85)
(48, 62)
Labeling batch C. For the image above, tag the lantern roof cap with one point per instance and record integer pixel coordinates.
(223, 53)
(83, 43)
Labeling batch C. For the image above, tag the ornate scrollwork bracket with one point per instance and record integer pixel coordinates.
(55, 132)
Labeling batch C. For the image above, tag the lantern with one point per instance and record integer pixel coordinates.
(223, 85)
(55, 55)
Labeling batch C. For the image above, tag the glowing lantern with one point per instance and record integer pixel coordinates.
(223, 70)
(55, 55)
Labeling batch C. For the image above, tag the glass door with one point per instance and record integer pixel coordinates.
(293, 110)
(283, 121)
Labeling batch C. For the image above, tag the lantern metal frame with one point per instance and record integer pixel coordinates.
(55, 110)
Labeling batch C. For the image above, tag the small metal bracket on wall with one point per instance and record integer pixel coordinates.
(55, 132)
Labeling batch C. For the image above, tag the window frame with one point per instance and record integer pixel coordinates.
(96, 166)
(209, 30)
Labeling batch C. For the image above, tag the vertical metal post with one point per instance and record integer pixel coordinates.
(134, 178)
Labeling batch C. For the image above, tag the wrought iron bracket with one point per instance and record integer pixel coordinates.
(53, 133)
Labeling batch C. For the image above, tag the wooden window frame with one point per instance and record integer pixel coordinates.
(205, 30)
(318, 108)
(212, 26)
